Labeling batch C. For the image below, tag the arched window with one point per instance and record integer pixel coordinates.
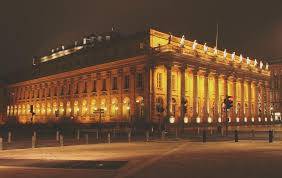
(75, 108)
(68, 109)
(84, 108)
(140, 107)
(93, 106)
(114, 108)
(159, 105)
(126, 108)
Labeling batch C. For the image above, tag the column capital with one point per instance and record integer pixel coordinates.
(168, 66)
(183, 67)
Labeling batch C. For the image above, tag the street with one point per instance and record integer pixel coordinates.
(179, 158)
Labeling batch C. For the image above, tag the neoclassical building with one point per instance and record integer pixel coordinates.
(147, 76)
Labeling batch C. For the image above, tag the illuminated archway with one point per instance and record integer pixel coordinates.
(139, 107)
(114, 108)
(126, 108)
(75, 108)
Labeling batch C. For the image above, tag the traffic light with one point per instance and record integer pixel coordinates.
(184, 105)
(159, 108)
(31, 110)
(228, 101)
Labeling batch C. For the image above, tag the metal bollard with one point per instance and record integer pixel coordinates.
(204, 136)
(236, 136)
(198, 131)
(61, 140)
(33, 141)
(253, 133)
(109, 138)
(270, 136)
(163, 135)
(78, 135)
(129, 137)
(57, 135)
(147, 136)
(9, 137)
(86, 138)
(222, 132)
(211, 131)
(114, 134)
(97, 135)
(34, 134)
(1, 143)
(176, 133)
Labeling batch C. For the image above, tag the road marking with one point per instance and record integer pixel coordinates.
(129, 171)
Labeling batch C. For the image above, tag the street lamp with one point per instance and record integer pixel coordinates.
(185, 119)
(198, 120)
(171, 119)
(209, 119)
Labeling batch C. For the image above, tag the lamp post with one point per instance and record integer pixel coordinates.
(99, 111)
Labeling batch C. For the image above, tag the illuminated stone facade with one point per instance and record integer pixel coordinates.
(276, 89)
(164, 74)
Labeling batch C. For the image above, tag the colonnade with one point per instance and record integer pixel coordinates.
(251, 100)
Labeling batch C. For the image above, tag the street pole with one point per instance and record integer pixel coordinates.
(226, 121)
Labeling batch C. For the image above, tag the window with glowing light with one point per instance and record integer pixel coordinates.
(159, 80)
(126, 82)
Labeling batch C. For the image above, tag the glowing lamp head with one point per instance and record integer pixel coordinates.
(171, 119)
(209, 119)
(237, 119)
(185, 119)
(219, 120)
(253, 119)
(198, 120)
(259, 119)
(265, 119)
(245, 119)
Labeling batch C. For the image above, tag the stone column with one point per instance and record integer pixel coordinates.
(132, 92)
(147, 93)
(206, 94)
(256, 100)
(216, 97)
(182, 91)
(195, 92)
(153, 94)
(242, 99)
(249, 99)
(120, 88)
(261, 88)
(225, 86)
(168, 107)
(225, 93)
(267, 91)
(234, 99)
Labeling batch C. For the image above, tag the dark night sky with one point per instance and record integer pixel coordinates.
(33, 27)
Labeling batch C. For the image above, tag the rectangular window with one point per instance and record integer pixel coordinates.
(76, 88)
(159, 80)
(126, 82)
(173, 82)
(114, 83)
(94, 86)
(68, 89)
(62, 90)
(85, 87)
(139, 80)
(104, 85)
(55, 91)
